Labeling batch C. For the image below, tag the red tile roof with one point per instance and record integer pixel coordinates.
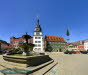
(31, 39)
(21, 39)
(54, 38)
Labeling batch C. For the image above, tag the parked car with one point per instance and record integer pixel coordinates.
(14, 52)
(1, 51)
(75, 51)
(84, 52)
(10, 52)
(67, 52)
(5, 51)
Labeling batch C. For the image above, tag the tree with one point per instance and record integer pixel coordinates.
(68, 34)
(31, 46)
(25, 47)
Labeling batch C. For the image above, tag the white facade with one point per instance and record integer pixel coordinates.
(38, 41)
(86, 45)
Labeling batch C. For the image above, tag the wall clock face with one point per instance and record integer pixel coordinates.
(37, 29)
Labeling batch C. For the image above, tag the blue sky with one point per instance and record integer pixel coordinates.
(19, 16)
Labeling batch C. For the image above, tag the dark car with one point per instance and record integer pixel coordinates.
(1, 51)
(10, 52)
(73, 52)
(14, 52)
(84, 52)
(68, 52)
(5, 51)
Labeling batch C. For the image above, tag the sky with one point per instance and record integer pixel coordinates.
(19, 16)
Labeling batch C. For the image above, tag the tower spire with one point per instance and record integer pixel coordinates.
(38, 20)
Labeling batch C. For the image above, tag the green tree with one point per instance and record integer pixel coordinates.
(31, 46)
(25, 47)
(67, 32)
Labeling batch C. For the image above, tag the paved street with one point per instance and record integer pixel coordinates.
(75, 64)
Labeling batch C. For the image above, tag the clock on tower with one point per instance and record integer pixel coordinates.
(38, 38)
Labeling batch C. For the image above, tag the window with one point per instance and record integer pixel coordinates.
(35, 41)
(37, 33)
(39, 45)
(35, 48)
(49, 42)
(30, 41)
(39, 41)
(39, 37)
(39, 48)
(11, 42)
(14, 45)
(35, 45)
(35, 37)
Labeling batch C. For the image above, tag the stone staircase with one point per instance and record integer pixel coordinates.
(44, 70)
(5, 64)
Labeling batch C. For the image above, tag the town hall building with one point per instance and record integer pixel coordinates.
(38, 38)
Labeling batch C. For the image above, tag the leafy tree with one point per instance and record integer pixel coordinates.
(18, 49)
(26, 47)
(31, 46)
(68, 34)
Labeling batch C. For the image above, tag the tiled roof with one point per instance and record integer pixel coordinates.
(54, 38)
(31, 39)
(21, 39)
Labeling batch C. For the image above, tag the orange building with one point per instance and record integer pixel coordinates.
(14, 42)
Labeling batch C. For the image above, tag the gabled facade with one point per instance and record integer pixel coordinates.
(3, 45)
(14, 42)
(55, 43)
(71, 47)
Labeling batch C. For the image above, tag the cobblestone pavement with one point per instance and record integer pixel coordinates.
(75, 64)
